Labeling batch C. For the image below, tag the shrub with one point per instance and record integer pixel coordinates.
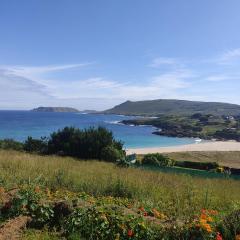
(11, 144)
(92, 143)
(111, 154)
(157, 159)
(197, 165)
(35, 145)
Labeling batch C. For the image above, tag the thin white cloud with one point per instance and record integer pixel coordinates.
(160, 61)
(229, 57)
(30, 70)
(41, 86)
(97, 87)
(222, 77)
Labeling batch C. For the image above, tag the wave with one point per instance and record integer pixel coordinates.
(114, 122)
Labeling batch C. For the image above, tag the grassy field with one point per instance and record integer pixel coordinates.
(229, 159)
(178, 196)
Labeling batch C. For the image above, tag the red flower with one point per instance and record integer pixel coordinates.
(130, 232)
(219, 236)
(145, 214)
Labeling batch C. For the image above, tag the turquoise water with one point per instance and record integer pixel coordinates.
(19, 125)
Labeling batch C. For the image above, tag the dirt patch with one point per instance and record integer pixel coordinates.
(8, 196)
(13, 228)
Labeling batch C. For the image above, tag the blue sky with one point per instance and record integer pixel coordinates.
(95, 54)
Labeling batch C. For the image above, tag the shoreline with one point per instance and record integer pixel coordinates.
(205, 146)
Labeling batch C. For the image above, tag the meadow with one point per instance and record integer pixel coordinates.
(178, 196)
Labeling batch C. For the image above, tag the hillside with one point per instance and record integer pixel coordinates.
(54, 109)
(174, 107)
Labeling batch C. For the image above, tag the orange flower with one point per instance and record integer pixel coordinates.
(213, 212)
(130, 232)
(208, 228)
(209, 219)
(203, 216)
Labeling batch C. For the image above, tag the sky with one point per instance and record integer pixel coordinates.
(96, 54)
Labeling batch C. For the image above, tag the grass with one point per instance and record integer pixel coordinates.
(39, 235)
(229, 159)
(178, 195)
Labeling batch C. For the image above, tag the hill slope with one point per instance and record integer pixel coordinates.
(176, 107)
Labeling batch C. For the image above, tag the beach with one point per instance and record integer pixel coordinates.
(205, 146)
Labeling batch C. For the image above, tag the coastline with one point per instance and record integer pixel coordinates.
(205, 146)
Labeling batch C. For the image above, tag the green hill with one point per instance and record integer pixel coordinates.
(174, 107)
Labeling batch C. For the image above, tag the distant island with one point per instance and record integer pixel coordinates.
(55, 109)
(173, 107)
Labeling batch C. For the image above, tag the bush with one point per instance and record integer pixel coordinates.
(112, 154)
(10, 144)
(157, 159)
(92, 143)
(35, 145)
(197, 165)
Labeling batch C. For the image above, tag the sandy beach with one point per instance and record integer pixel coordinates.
(205, 146)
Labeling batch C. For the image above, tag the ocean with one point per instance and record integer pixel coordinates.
(19, 125)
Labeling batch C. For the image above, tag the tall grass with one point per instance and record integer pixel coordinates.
(177, 195)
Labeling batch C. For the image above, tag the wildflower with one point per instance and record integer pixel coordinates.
(208, 228)
(145, 214)
(209, 219)
(204, 211)
(213, 212)
(130, 232)
(203, 216)
(219, 236)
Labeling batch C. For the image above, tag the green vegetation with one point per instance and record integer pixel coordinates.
(108, 202)
(157, 159)
(228, 159)
(174, 107)
(92, 143)
(197, 125)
